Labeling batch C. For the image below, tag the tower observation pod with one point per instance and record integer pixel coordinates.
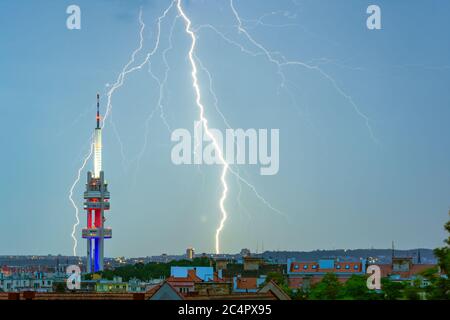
(96, 203)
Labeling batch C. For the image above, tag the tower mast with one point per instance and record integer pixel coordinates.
(96, 203)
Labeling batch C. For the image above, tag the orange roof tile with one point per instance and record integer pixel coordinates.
(246, 283)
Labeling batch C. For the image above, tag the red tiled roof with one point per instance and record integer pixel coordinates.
(191, 277)
(246, 283)
(217, 279)
(339, 267)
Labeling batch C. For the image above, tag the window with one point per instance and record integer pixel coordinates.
(356, 267)
(338, 266)
(296, 267)
(314, 266)
(305, 266)
(347, 266)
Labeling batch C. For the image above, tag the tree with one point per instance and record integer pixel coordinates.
(60, 287)
(443, 254)
(439, 288)
(411, 292)
(329, 288)
(151, 270)
(355, 288)
(276, 277)
(281, 281)
(392, 290)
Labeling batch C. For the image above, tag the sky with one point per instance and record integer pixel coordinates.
(341, 183)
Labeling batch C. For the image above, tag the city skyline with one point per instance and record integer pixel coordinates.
(364, 147)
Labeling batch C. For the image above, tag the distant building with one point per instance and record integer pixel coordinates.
(115, 285)
(247, 274)
(185, 279)
(404, 269)
(166, 291)
(136, 286)
(245, 252)
(221, 264)
(190, 253)
(241, 284)
(26, 282)
(252, 263)
(305, 274)
(216, 287)
(247, 267)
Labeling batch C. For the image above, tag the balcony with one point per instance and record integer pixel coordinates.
(96, 205)
(96, 194)
(95, 233)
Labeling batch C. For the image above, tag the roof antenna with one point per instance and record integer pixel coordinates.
(98, 111)
(393, 250)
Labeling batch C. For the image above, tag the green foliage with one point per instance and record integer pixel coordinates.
(443, 254)
(329, 288)
(60, 287)
(281, 281)
(439, 288)
(392, 290)
(276, 277)
(151, 270)
(299, 294)
(411, 293)
(355, 288)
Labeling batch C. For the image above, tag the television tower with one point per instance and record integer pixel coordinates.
(96, 202)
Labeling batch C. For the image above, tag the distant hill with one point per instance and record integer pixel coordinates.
(384, 255)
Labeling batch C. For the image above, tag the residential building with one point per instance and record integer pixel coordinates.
(18, 282)
(115, 285)
(305, 274)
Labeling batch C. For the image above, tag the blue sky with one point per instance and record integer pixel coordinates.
(338, 187)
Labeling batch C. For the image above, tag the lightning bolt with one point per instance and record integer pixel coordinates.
(260, 21)
(226, 168)
(204, 122)
(235, 172)
(85, 160)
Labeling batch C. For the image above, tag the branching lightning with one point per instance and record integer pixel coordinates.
(257, 49)
(119, 82)
(280, 64)
(161, 85)
(85, 160)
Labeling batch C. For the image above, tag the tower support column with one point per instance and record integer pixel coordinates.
(89, 256)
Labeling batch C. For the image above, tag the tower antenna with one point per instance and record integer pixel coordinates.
(98, 111)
